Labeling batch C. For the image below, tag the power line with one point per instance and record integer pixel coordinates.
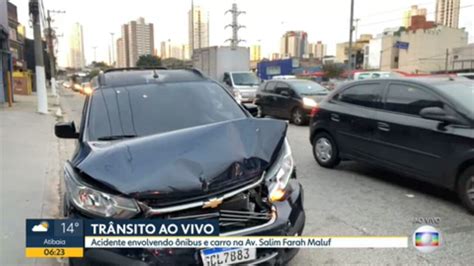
(390, 20)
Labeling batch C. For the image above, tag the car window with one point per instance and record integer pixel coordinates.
(364, 95)
(270, 87)
(307, 87)
(282, 87)
(156, 108)
(461, 92)
(404, 98)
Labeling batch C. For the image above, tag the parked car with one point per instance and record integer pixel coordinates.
(420, 127)
(469, 75)
(173, 144)
(289, 99)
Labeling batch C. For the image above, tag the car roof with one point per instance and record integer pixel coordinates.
(132, 76)
(432, 81)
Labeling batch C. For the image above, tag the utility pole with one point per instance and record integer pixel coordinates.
(52, 58)
(351, 29)
(235, 26)
(40, 76)
(112, 63)
(446, 61)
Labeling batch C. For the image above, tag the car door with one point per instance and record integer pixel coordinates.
(406, 140)
(354, 117)
(266, 98)
(283, 101)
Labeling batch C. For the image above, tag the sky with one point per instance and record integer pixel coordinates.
(265, 20)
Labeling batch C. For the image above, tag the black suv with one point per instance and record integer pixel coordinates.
(421, 127)
(173, 144)
(289, 99)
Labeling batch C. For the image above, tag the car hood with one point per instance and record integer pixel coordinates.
(186, 164)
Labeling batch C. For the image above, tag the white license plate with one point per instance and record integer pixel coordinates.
(226, 256)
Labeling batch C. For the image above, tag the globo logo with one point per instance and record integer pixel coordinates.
(426, 239)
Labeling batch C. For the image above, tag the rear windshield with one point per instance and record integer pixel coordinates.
(462, 92)
(308, 88)
(156, 108)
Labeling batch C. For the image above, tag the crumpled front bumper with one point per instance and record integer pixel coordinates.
(289, 222)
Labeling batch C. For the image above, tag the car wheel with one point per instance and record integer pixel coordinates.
(297, 117)
(466, 188)
(325, 150)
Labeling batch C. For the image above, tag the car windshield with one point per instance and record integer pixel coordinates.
(142, 110)
(308, 88)
(245, 79)
(462, 92)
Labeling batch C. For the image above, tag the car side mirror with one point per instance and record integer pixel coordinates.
(251, 108)
(66, 130)
(438, 114)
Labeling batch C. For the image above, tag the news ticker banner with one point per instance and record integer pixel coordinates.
(69, 238)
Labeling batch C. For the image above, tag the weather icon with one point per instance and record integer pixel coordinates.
(42, 227)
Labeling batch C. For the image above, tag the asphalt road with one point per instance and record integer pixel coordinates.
(360, 200)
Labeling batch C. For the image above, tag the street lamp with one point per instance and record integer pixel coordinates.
(351, 29)
(112, 51)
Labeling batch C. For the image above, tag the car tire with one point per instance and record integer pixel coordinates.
(297, 116)
(325, 150)
(466, 188)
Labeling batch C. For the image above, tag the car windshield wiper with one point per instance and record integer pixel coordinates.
(116, 137)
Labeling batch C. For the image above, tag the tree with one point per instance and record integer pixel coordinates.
(148, 61)
(100, 65)
(333, 70)
(97, 67)
(174, 63)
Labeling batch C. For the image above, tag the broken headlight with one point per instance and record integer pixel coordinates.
(95, 202)
(279, 174)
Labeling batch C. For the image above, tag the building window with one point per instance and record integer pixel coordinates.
(273, 70)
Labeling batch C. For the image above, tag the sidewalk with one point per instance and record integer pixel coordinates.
(29, 174)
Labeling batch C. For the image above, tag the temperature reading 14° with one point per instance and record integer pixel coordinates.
(69, 227)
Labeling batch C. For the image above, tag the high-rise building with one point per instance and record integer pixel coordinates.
(76, 47)
(255, 52)
(198, 28)
(317, 50)
(447, 12)
(121, 62)
(137, 40)
(414, 11)
(294, 44)
(164, 49)
(170, 50)
(140, 40)
(185, 51)
(124, 53)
